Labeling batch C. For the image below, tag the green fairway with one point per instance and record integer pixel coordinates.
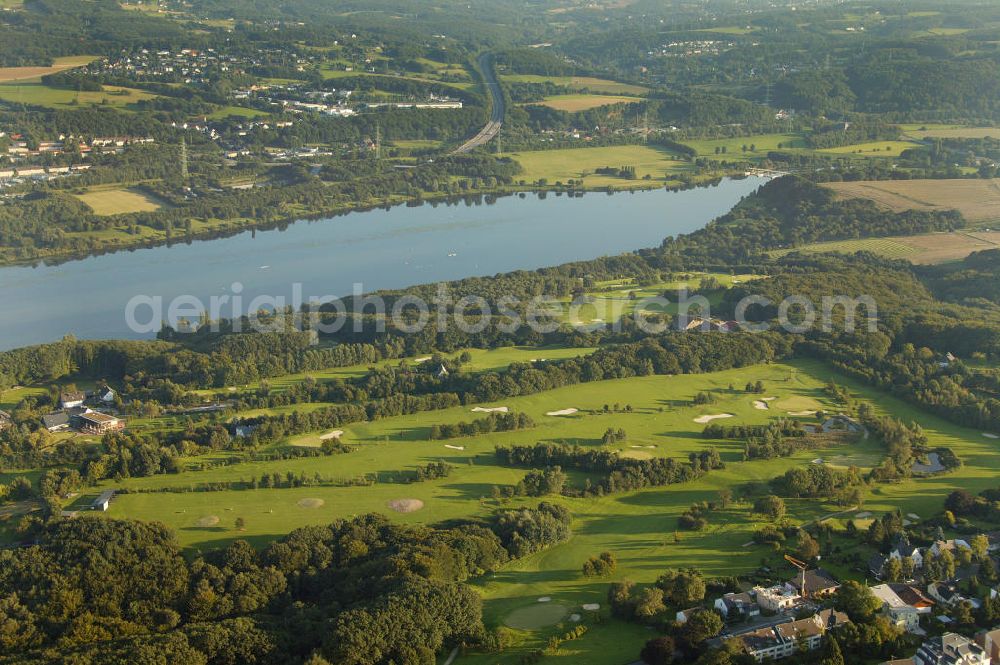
(581, 163)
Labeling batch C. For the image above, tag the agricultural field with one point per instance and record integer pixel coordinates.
(8, 74)
(978, 200)
(640, 527)
(873, 149)
(583, 102)
(579, 83)
(927, 248)
(580, 163)
(116, 200)
(330, 73)
(950, 132)
(35, 93)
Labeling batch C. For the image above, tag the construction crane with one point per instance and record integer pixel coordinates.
(802, 568)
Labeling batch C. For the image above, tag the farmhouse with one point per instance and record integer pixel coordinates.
(102, 502)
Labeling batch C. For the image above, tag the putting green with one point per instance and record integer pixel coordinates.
(797, 403)
(538, 615)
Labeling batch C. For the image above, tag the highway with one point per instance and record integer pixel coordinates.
(492, 128)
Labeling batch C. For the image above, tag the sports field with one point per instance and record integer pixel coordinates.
(581, 163)
(118, 200)
(978, 200)
(580, 102)
(579, 83)
(33, 73)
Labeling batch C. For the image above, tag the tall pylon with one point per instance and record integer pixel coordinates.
(184, 160)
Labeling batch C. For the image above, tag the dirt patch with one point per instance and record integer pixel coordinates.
(207, 521)
(310, 503)
(406, 505)
(701, 420)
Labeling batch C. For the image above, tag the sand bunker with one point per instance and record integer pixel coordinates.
(701, 420)
(990, 435)
(208, 520)
(818, 460)
(802, 413)
(448, 445)
(863, 515)
(592, 607)
(310, 503)
(562, 412)
(760, 404)
(422, 360)
(913, 516)
(545, 599)
(575, 618)
(335, 434)
(768, 399)
(495, 409)
(406, 505)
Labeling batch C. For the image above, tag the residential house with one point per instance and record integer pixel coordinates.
(70, 400)
(899, 611)
(819, 584)
(946, 594)
(951, 649)
(737, 606)
(683, 615)
(106, 395)
(940, 546)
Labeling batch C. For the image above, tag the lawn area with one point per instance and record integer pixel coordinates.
(116, 200)
(580, 83)
(580, 163)
(873, 149)
(34, 93)
(762, 143)
(582, 102)
(12, 397)
(34, 73)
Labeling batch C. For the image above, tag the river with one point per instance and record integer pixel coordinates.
(379, 249)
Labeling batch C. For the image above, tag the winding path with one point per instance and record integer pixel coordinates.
(492, 128)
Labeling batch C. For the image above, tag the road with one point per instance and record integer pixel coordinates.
(492, 127)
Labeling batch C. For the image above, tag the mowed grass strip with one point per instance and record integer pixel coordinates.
(119, 200)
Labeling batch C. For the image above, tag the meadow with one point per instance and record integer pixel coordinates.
(873, 149)
(581, 163)
(8, 74)
(762, 143)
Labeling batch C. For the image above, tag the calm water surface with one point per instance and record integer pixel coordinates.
(380, 249)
